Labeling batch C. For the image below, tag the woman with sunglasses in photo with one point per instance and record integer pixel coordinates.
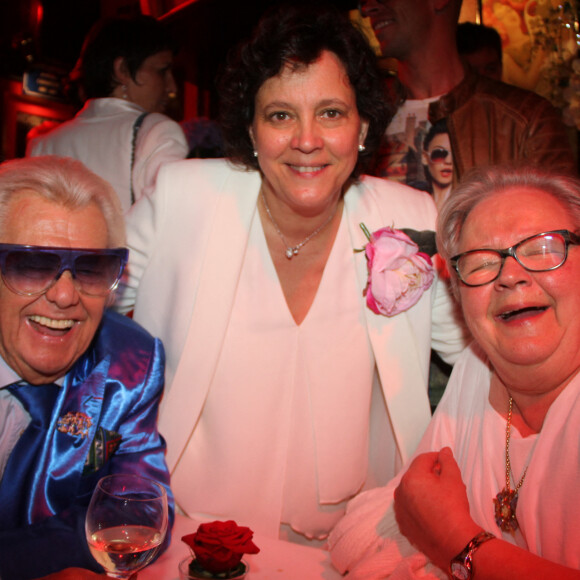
(492, 492)
(79, 386)
(438, 161)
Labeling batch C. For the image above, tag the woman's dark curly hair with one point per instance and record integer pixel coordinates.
(296, 35)
(133, 39)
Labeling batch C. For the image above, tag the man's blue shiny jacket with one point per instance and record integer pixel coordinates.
(104, 422)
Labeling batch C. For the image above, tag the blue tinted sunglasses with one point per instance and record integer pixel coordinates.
(32, 270)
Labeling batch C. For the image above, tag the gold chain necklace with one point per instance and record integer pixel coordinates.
(506, 500)
(292, 251)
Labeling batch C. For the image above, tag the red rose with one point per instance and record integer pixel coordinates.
(219, 546)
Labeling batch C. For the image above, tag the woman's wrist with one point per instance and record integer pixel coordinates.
(461, 566)
(456, 541)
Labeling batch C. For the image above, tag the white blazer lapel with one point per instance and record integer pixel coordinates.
(211, 313)
(403, 380)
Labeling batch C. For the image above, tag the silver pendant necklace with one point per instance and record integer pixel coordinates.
(292, 251)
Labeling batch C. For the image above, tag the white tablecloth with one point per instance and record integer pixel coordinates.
(277, 560)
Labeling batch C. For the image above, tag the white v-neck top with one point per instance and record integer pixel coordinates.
(305, 386)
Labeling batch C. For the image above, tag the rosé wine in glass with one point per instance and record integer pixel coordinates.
(126, 523)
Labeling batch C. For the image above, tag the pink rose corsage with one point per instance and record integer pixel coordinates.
(398, 272)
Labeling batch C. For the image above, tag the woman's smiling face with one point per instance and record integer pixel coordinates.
(307, 131)
(523, 318)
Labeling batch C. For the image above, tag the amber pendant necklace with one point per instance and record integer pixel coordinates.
(506, 501)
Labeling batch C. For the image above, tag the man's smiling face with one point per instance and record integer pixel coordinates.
(42, 336)
(397, 24)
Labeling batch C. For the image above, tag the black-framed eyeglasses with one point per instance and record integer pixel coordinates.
(538, 253)
(439, 154)
(32, 270)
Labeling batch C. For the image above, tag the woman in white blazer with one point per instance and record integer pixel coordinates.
(292, 381)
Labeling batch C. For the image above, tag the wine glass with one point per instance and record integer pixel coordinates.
(126, 523)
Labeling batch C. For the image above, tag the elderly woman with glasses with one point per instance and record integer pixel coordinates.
(493, 489)
(79, 386)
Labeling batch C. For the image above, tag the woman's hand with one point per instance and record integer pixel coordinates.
(73, 574)
(432, 508)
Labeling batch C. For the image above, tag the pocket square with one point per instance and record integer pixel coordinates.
(102, 449)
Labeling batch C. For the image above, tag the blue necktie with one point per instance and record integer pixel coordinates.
(26, 457)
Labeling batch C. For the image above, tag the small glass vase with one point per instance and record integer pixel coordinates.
(189, 572)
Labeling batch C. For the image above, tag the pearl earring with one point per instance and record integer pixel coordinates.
(361, 148)
(255, 153)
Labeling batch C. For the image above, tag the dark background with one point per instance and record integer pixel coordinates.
(43, 39)
(203, 29)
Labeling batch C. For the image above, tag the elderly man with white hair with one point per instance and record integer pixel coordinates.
(79, 386)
